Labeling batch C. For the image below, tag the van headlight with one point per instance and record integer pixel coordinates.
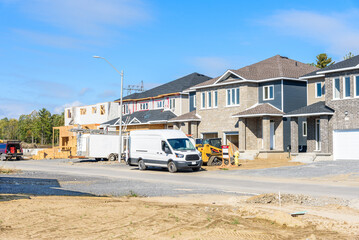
(179, 155)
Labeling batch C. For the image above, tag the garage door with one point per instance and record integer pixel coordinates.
(346, 144)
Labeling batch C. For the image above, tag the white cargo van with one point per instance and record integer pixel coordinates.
(162, 148)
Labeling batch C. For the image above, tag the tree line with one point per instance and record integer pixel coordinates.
(35, 127)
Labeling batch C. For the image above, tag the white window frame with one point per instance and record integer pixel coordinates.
(316, 90)
(306, 129)
(203, 100)
(236, 96)
(209, 99)
(194, 100)
(333, 83)
(345, 87)
(268, 87)
(356, 94)
(215, 103)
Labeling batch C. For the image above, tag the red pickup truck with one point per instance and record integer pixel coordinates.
(10, 149)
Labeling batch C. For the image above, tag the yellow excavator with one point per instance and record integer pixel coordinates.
(211, 150)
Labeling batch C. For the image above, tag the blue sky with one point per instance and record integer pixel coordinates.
(46, 46)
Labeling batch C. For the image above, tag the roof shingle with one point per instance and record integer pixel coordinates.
(318, 108)
(145, 117)
(274, 67)
(262, 109)
(191, 116)
(175, 86)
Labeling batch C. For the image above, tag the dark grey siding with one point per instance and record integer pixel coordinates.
(294, 97)
(277, 101)
(191, 99)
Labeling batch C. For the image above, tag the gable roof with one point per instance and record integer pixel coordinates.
(187, 117)
(270, 68)
(175, 86)
(262, 109)
(315, 109)
(349, 63)
(143, 117)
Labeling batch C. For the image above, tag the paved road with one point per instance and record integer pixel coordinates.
(76, 177)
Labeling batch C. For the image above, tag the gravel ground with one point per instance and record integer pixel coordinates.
(316, 169)
(42, 183)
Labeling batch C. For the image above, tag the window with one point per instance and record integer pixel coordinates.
(318, 90)
(125, 109)
(143, 106)
(160, 104)
(356, 86)
(233, 97)
(203, 100)
(94, 110)
(82, 111)
(336, 88)
(346, 87)
(209, 99)
(215, 101)
(172, 103)
(68, 113)
(102, 109)
(305, 129)
(268, 92)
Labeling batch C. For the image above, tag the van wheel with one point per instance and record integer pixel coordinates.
(142, 165)
(112, 157)
(172, 168)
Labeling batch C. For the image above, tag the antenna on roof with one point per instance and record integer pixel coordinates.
(135, 88)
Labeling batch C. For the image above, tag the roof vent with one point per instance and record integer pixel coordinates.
(284, 57)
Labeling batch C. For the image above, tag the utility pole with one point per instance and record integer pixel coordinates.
(120, 127)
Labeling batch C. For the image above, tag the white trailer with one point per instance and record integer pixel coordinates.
(98, 146)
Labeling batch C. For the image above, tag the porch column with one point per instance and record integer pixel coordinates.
(294, 134)
(324, 137)
(266, 133)
(194, 129)
(241, 135)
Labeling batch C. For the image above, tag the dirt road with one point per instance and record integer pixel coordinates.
(191, 217)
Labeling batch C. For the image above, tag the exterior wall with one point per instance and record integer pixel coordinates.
(220, 119)
(340, 120)
(277, 101)
(294, 95)
(86, 114)
(311, 90)
(183, 106)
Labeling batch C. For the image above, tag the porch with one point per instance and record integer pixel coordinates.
(260, 129)
(317, 130)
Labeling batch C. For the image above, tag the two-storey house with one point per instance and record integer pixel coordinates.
(154, 108)
(332, 114)
(246, 106)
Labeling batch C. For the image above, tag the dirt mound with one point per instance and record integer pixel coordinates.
(271, 198)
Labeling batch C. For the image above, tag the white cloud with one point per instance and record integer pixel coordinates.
(60, 109)
(84, 91)
(337, 32)
(13, 108)
(212, 66)
(90, 17)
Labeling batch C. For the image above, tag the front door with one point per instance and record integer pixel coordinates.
(272, 136)
(317, 134)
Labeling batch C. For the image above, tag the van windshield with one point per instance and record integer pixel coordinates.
(180, 144)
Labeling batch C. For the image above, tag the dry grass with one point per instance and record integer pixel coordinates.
(8, 170)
